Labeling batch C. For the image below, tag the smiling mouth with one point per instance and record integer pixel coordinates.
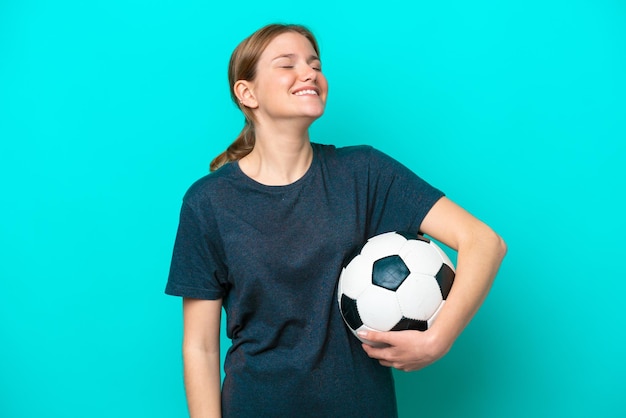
(306, 92)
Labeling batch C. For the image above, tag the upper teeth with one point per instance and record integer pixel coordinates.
(302, 92)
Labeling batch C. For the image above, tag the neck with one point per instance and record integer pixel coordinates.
(279, 157)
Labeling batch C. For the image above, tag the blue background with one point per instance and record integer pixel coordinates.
(110, 109)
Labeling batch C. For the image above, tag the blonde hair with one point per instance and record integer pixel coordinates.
(242, 66)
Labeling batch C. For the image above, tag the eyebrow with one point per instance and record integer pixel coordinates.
(291, 56)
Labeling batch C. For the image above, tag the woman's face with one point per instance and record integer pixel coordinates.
(289, 82)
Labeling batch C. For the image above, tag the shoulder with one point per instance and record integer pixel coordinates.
(202, 190)
(358, 156)
(333, 150)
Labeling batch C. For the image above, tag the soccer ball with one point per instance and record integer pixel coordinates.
(398, 281)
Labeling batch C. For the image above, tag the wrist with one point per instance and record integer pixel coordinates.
(439, 341)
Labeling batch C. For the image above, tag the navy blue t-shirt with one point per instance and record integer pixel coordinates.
(274, 254)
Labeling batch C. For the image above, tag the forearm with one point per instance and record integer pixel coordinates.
(479, 257)
(202, 382)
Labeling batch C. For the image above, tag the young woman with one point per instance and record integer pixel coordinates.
(265, 236)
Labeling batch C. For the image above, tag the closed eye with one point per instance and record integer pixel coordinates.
(316, 64)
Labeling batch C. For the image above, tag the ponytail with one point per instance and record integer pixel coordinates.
(238, 149)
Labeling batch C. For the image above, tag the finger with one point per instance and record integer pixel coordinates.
(378, 338)
(369, 350)
(372, 352)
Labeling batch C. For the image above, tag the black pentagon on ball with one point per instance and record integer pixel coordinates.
(445, 278)
(389, 272)
(412, 236)
(408, 323)
(350, 312)
(407, 235)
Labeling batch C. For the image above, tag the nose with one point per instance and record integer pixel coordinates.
(308, 74)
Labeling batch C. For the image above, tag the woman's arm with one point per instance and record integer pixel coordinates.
(480, 252)
(201, 357)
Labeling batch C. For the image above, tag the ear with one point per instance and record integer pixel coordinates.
(244, 90)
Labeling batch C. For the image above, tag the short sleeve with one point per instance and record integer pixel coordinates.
(400, 199)
(196, 270)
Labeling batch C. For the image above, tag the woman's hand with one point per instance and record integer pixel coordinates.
(404, 350)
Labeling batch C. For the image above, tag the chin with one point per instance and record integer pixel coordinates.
(314, 113)
(314, 117)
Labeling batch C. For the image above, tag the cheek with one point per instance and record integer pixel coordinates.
(278, 85)
(322, 83)
(284, 78)
(271, 85)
